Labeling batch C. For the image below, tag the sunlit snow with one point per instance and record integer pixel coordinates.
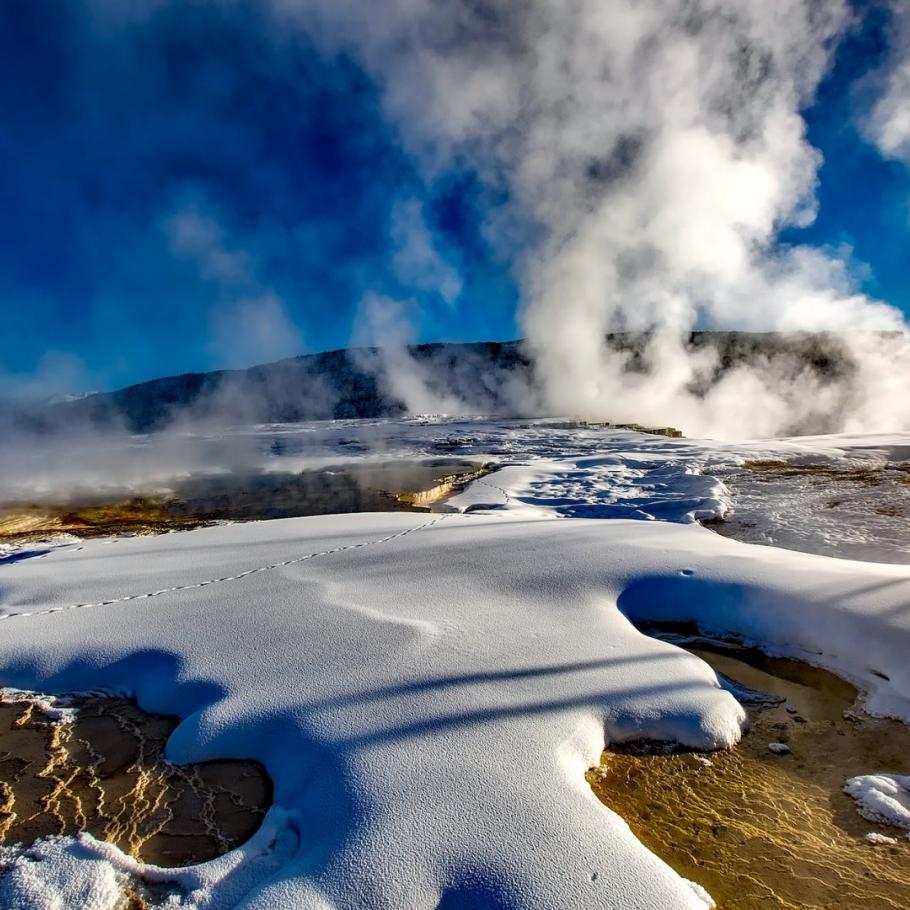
(427, 691)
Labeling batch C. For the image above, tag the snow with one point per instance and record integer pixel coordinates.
(58, 873)
(55, 709)
(612, 486)
(426, 696)
(883, 798)
(702, 894)
(427, 692)
(881, 840)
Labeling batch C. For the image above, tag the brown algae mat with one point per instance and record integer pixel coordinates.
(103, 772)
(869, 474)
(763, 830)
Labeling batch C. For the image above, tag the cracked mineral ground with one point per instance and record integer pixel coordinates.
(102, 770)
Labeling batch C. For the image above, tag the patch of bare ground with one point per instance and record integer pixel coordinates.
(104, 772)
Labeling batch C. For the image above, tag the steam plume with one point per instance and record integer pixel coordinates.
(656, 149)
(646, 155)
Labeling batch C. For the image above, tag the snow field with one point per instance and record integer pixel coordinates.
(426, 693)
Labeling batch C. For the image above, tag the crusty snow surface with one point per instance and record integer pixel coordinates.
(427, 691)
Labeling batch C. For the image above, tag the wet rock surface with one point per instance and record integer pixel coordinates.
(767, 829)
(101, 770)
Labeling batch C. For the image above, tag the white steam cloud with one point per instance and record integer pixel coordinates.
(249, 323)
(417, 262)
(55, 377)
(657, 149)
(384, 327)
(648, 154)
(888, 123)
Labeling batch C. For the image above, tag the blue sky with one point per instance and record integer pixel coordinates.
(161, 178)
(864, 199)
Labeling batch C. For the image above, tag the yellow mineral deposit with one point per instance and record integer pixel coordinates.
(443, 487)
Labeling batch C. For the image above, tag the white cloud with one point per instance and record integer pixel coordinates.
(249, 322)
(198, 237)
(385, 327)
(416, 260)
(888, 123)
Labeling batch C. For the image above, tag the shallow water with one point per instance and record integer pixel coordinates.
(760, 830)
(105, 773)
(401, 485)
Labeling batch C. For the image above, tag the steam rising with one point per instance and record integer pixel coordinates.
(249, 323)
(888, 124)
(648, 154)
(657, 149)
